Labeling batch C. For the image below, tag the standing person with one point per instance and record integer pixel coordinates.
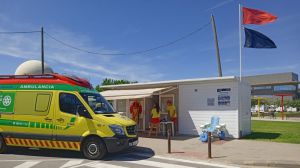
(155, 119)
(172, 113)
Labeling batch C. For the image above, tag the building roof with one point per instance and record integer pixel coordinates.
(272, 79)
(132, 93)
(169, 83)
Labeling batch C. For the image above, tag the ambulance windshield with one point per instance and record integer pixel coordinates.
(97, 103)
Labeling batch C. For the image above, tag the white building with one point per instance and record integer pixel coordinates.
(196, 101)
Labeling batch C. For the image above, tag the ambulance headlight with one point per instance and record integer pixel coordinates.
(118, 130)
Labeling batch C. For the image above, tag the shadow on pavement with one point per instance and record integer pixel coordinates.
(132, 154)
(176, 137)
(143, 153)
(262, 135)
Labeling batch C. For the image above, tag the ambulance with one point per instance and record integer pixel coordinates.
(60, 112)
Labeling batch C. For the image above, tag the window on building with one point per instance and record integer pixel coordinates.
(69, 103)
(121, 105)
(262, 87)
(32, 103)
(285, 88)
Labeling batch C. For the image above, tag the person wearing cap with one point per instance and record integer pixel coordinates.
(171, 109)
(155, 119)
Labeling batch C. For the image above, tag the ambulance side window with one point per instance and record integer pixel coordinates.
(42, 102)
(69, 103)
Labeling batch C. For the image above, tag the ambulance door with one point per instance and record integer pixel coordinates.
(69, 125)
(7, 99)
(32, 119)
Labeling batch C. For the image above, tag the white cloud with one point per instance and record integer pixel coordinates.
(218, 5)
(27, 46)
(88, 75)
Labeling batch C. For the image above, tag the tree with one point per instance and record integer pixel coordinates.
(108, 81)
(262, 102)
(253, 102)
(295, 103)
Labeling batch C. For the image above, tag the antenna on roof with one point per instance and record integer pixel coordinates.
(42, 50)
(217, 45)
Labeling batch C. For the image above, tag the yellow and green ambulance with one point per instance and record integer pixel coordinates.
(60, 112)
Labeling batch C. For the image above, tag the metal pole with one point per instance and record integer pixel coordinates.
(209, 145)
(217, 45)
(258, 104)
(42, 49)
(240, 40)
(169, 139)
(282, 103)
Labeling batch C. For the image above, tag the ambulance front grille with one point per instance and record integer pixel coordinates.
(131, 130)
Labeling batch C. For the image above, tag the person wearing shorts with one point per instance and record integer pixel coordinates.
(172, 113)
(155, 119)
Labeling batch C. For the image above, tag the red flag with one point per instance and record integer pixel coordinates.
(253, 16)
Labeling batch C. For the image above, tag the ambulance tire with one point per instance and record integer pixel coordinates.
(3, 146)
(93, 148)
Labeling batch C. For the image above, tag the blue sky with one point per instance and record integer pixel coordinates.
(118, 26)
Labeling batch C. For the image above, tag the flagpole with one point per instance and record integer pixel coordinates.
(240, 41)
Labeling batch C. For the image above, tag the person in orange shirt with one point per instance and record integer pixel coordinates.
(155, 119)
(172, 113)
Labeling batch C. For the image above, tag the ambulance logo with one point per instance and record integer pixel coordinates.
(6, 101)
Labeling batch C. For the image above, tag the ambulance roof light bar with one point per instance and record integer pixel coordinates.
(46, 76)
(67, 78)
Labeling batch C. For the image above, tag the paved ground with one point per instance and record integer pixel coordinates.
(240, 152)
(187, 152)
(134, 158)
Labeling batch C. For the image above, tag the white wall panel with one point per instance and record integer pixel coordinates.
(194, 111)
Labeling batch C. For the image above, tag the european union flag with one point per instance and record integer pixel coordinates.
(255, 39)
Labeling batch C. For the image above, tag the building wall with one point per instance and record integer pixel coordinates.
(272, 84)
(271, 78)
(244, 109)
(194, 110)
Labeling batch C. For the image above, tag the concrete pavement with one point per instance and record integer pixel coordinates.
(187, 152)
(134, 158)
(241, 152)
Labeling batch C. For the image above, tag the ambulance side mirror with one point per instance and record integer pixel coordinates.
(81, 111)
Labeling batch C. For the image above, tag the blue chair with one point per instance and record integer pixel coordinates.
(214, 122)
(214, 127)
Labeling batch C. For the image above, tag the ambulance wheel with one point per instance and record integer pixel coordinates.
(94, 148)
(3, 146)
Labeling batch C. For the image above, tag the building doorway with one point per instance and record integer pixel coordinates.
(163, 99)
(141, 121)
